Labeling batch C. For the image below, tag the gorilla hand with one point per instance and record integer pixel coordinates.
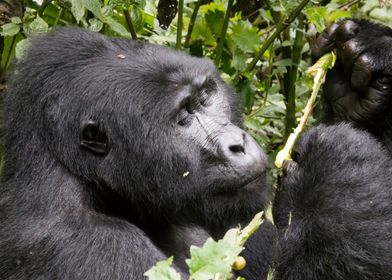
(359, 87)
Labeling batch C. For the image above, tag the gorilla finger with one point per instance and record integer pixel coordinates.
(362, 72)
(348, 53)
(370, 108)
(335, 87)
(382, 83)
(324, 42)
(346, 31)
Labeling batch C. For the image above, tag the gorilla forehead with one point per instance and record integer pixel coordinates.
(106, 71)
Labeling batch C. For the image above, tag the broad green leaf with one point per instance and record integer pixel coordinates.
(93, 6)
(95, 24)
(383, 14)
(10, 29)
(117, 27)
(16, 20)
(214, 21)
(239, 60)
(339, 14)
(77, 9)
(239, 236)
(245, 37)
(37, 26)
(214, 257)
(163, 271)
(317, 16)
(21, 47)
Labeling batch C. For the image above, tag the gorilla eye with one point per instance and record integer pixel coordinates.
(189, 107)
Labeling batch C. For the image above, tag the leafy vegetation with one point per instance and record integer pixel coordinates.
(214, 260)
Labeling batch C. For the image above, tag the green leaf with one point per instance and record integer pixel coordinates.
(77, 9)
(163, 271)
(239, 236)
(317, 16)
(93, 6)
(383, 14)
(214, 257)
(339, 14)
(38, 25)
(10, 29)
(117, 27)
(21, 48)
(16, 20)
(95, 24)
(245, 36)
(239, 60)
(214, 20)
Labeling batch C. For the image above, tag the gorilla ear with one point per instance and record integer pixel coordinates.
(94, 139)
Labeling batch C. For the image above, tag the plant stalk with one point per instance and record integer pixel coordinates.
(179, 23)
(219, 48)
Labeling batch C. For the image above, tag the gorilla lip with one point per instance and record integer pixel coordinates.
(251, 183)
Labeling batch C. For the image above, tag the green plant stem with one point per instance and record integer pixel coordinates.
(12, 46)
(131, 27)
(179, 23)
(219, 48)
(292, 77)
(192, 23)
(42, 8)
(58, 17)
(318, 71)
(281, 26)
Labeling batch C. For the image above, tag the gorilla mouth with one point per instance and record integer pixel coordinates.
(255, 182)
(252, 184)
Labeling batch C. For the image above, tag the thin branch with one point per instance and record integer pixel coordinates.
(179, 23)
(131, 27)
(219, 48)
(192, 23)
(293, 73)
(282, 25)
(348, 5)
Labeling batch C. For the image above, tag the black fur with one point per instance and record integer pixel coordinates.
(334, 208)
(119, 154)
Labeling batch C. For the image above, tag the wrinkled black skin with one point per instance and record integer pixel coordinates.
(333, 208)
(118, 155)
(358, 89)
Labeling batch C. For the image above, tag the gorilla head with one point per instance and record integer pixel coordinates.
(157, 128)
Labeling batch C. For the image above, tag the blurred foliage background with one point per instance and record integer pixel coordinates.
(260, 46)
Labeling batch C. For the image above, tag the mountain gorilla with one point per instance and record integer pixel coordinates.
(120, 154)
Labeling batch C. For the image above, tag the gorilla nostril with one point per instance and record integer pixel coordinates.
(236, 149)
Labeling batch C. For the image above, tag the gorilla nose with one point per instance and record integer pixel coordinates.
(241, 151)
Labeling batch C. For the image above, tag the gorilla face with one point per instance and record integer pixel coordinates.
(177, 133)
(186, 151)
